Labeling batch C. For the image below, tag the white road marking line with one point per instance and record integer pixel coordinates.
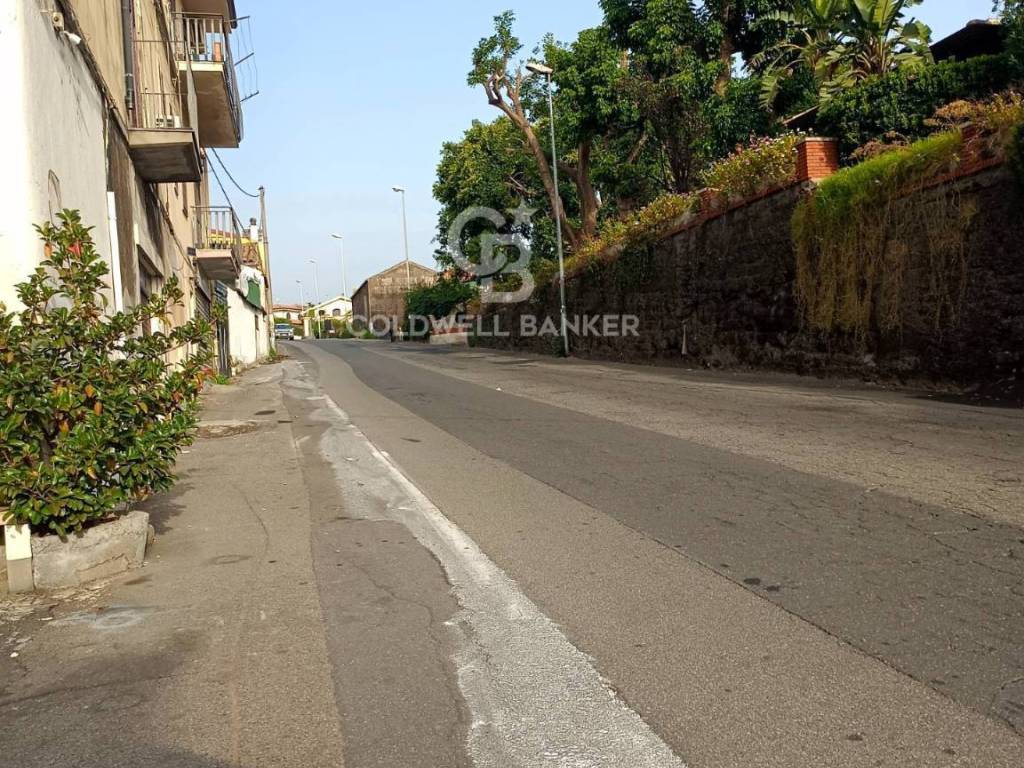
(536, 700)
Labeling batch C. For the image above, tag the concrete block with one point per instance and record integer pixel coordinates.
(450, 339)
(100, 552)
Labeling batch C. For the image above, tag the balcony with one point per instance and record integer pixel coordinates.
(203, 45)
(218, 242)
(161, 139)
(225, 8)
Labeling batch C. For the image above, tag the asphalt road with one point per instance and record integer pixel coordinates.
(391, 555)
(752, 612)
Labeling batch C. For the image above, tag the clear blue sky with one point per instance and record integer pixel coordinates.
(358, 97)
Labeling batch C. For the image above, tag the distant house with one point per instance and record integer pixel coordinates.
(337, 308)
(983, 37)
(290, 312)
(383, 294)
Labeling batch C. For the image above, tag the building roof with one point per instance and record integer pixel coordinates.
(982, 37)
(399, 265)
(325, 302)
(383, 272)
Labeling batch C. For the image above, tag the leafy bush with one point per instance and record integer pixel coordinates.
(91, 413)
(763, 164)
(438, 300)
(901, 102)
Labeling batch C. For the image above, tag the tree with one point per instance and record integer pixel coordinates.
(843, 42)
(1013, 18)
(507, 89)
(680, 79)
(746, 27)
(491, 166)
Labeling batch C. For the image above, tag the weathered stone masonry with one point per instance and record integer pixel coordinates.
(721, 293)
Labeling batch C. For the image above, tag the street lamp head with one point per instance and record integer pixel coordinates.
(539, 69)
(336, 236)
(398, 189)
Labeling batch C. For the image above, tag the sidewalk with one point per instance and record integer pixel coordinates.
(213, 654)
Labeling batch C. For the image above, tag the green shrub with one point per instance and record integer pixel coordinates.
(764, 164)
(91, 413)
(368, 335)
(901, 102)
(440, 299)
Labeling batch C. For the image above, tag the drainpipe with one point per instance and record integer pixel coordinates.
(129, 54)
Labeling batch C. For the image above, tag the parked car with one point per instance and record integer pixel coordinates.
(284, 331)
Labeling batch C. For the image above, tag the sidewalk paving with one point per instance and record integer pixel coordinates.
(214, 654)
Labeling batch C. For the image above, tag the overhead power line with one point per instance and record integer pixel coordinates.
(223, 191)
(237, 185)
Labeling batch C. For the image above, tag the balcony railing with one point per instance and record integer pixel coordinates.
(163, 141)
(217, 235)
(203, 39)
(217, 228)
(160, 98)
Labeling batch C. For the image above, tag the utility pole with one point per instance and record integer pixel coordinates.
(405, 234)
(316, 289)
(344, 277)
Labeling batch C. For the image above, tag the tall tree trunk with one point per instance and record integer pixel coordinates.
(571, 234)
(589, 203)
(726, 50)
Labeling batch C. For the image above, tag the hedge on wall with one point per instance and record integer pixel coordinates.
(900, 102)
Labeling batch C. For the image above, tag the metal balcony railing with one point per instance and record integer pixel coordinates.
(205, 38)
(217, 228)
(159, 100)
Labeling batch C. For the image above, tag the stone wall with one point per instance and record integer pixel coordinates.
(721, 294)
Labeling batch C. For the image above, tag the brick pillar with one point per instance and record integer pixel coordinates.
(816, 158)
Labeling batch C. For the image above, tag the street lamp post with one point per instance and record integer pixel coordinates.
(540, 69)
(405, 235)
(316, 289)
(344, 277)
(302, 306)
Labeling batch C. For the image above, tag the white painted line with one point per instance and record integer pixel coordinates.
(536, 701)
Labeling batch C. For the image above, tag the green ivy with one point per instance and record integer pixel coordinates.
(92, 413)
(845, 257)
(901, 101)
